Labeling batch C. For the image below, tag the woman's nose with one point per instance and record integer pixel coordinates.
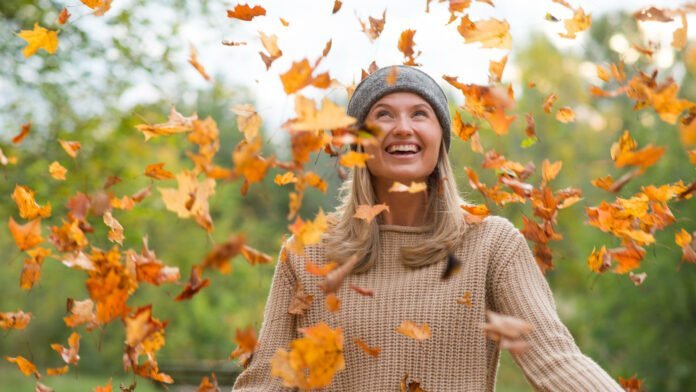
(403, 125)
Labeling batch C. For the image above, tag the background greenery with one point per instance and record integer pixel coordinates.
(643, 330)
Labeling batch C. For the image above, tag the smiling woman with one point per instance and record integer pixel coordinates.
(410, 321)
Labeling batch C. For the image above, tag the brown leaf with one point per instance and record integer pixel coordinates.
(335, 278)
(301, 301)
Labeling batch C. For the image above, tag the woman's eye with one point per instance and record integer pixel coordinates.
(420, 113)
(382, 113)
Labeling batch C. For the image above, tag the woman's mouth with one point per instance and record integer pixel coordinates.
(403, 150)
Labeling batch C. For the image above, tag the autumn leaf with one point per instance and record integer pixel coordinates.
(246, 13)
(507, 330)
(413, 330)
(375, 27)
(25, 366)
(415, 187)
(362, 291)
(372, 351)
(190, 199)
(462, 130)
(81, 312)
(300, 76)
(28, 208)
(330, 116)
(57, 171)
(246, 344)
(15, 320)
(31, 269)
(57, 371)
(301, 301)
(158, 172)
(367, 212)
(254, 256)
(313, 360)
(270, 43)
(28, 235)
(69, 354)
(208, 386)
(565, 115)
(579, 22)
(99, 6)
(337, 6)
(637, 279)
(39, 38)
(491, 33)
(176, 123)
(335, 278)
(23, 133)
(495, 69)
(194, 284)
(406, 47)
(354, 159)
(71, 147)
(466, 299)
(549, 101)
(333, 303)
(193, 60)
(218, 258)
(146, 267)
(63, 16)
(475, 213)
(248, 120)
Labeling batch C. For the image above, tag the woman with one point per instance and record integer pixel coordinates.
(403, 253)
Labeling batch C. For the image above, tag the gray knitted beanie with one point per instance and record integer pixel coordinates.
(409, 79)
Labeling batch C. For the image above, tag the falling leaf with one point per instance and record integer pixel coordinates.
(372, 351)
(466, 299)
(335, 278)
(193, 60)
(637, 279)
(81, 312)
(362, 291)
(337, 6)
(654, 14)
(190, 199)
(565, 115)
(23, 133)
(579, 22)
(406, 47)
(57, 171)
(254, 256)
(176, 123)
(301, 301)
(246, 13)
(679, 36)
(300, 76)
(158, 172)
(70, 147)
(375, 26)
(407, 385)
(25, 366)
(57, 371)
(333, 304)
(464, 131)
(99, 6)
(69, 354)
(63, 16)
(495, 69)
(115, 228)
(219, 257)
(475, 213)
(354, 159)
(330, 116)
(194, 285)
(246, 344)
(31, 269)
(270, 43)
(549, 101)
(248, 120)
(208, 386)
(313, 360)
(15, 320)
(28, 235)
(284, 22)
(368, 212)
(415, 187)
(28, 208)
(491, 33)
(413, 330)
(508, 330)
(39, 38)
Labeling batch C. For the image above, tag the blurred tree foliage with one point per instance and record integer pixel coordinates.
(626, 329)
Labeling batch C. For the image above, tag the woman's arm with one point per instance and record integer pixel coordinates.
(553, 362)
(277, 331)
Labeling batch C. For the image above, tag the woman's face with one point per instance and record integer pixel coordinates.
(408, 147)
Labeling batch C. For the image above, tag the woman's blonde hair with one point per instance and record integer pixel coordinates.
(348, 236)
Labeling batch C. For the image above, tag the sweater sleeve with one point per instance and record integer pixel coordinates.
(552, 362)
(277, 331)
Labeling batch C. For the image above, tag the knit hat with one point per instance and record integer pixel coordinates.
(409, 79)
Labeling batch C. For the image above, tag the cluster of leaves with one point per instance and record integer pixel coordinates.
(112, 276)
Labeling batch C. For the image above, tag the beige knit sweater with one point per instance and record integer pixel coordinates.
(498, 269)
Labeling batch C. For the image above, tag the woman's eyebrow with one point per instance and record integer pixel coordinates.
(416, 106)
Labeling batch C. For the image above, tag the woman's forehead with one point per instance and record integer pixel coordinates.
(401, 98)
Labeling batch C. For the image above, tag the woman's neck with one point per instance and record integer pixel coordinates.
(405, 209)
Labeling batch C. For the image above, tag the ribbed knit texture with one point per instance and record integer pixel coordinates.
(498, 269)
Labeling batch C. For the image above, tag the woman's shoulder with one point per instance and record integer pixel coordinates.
(497, 229)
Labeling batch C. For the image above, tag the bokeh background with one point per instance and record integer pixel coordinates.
(130, 65)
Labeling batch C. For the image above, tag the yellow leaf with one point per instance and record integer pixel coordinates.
(413, 330)
(57, 171)
(415, 187)
(28, 208)
(330, 116)
(354, 159)
(491, 33)
(565, 115)
(39, 38)
(24, 365)
(368, 212)
(248, 120)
